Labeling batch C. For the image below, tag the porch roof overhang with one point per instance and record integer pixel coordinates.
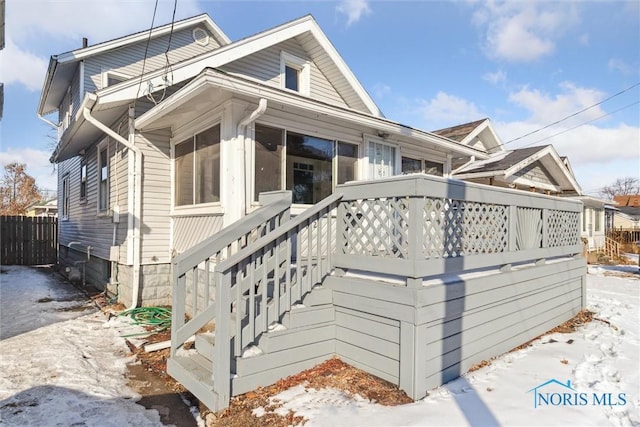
(80, 134)
(183, 106)
(498, 166)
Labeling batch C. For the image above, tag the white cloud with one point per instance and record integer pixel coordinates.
(354, 9)
(381, 90)
(598, 154)
(446, 109)
(619, 65)
(498, 77)
(523, 31)
(38, 165)
(545, 108)
(22, 67)
(38, 23)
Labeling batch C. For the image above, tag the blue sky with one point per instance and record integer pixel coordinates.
(428, 64)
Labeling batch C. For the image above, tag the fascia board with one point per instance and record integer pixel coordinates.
(326, 44)
(541, 185)
(79, 54)
(551, 152)
(249, 88)
(88, 102)
(53, 63)
(237, 50)
(221, 56)
(470, 175)
(526, 162)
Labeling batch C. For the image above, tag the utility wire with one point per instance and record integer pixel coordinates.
(146, 50)
(581, 124)
(573, 115)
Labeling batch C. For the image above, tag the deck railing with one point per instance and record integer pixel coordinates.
(258, 285)
(418, 226)
(193, 289)
(611, 248)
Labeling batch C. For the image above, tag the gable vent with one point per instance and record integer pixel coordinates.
(200, 36)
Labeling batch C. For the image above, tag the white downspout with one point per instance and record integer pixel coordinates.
(242, 128)
(137, 194)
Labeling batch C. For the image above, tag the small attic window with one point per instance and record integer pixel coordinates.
(294, 73)
(110, 78)
(200, 36)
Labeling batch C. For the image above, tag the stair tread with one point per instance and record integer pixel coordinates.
(198, 366)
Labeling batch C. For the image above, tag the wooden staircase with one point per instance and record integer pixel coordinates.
(258, 285)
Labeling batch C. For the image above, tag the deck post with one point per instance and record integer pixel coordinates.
(415, 232)
(222, 349)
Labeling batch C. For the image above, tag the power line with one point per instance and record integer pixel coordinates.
(146, 50)
(581, 124)
(572, 115)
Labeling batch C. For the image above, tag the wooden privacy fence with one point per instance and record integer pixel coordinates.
(28, 240)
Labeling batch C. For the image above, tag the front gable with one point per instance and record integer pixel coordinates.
(303, 35)
(479, 135)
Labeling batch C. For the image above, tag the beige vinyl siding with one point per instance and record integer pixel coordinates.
(265, 66)
(332, 73)
(84, 224)
(536, 173)
(156, 196)
(190, 230)
(128, 60)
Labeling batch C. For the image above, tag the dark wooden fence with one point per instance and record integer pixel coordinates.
(28, 240)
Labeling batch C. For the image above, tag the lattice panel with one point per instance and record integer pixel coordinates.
(454, 228)
(563, 228)
(376, 227)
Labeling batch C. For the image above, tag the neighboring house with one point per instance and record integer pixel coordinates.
(537, 169)
(628, 214)
(593, 225)
(178, 173)
(150, 166)
(45, 208)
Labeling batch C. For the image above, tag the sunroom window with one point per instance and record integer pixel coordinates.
(311, 167)
(197, 168)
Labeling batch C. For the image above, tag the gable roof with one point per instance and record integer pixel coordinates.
(62, 66)
(473, 132)
(504, 165)
(305, 29)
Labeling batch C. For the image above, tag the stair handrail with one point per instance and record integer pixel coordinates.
(223, 301)
(275, 209)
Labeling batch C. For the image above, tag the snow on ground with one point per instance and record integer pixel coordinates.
(602, 357)
(61, 368)
(68, 368)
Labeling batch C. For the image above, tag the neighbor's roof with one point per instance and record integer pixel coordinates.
(459, 132)
(632, 201)
(502, 161)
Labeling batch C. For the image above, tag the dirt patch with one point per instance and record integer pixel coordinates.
(333, 373)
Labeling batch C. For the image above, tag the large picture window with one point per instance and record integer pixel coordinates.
(311, 167)
(197, 168)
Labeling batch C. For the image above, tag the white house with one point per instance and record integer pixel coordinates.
(182, 154)
(156, 154)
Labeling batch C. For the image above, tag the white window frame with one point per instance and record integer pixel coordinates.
(115, 74)
(104, 145)
(83, 165)
(66, 193)
(304, 68)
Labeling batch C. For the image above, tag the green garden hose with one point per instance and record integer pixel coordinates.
(156, 318)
